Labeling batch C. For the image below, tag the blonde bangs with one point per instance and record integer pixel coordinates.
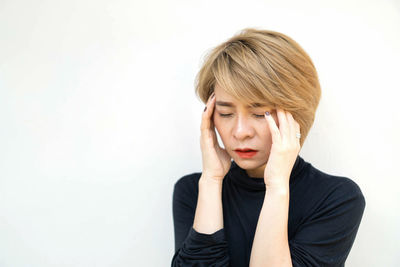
(235, 81)
(237, 75)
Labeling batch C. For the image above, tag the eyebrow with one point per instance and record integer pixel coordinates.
(229, 104)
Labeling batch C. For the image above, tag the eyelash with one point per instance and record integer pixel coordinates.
(229, 115)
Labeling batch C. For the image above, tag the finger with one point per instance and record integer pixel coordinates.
(294, 125)
(272, 127)
(297, 127)
(291, 124)
(207, 113)
(208, 133)
(283, 123)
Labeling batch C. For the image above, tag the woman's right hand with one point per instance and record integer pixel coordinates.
(216, 161)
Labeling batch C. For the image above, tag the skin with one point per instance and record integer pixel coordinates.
(240, 126)
(274, 138)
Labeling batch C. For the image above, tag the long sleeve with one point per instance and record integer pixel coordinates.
(326, 237)
(193, 248)
(325, 212)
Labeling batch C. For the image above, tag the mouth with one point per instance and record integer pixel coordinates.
(245, 149)
(246, 153)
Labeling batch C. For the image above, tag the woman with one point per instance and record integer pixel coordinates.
(257, 202)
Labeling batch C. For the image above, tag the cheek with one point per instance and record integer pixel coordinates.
(222, 128)
(219, 126)
(264, 135)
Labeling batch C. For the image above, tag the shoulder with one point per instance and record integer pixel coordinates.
(334, 184)
(187, 185)
(326, 213)
(333, 190)
(188, 180)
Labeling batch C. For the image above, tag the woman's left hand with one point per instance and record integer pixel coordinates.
(284, 150)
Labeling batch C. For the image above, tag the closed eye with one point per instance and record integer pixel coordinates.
(225, 115)
(259, 116)
(230, 114)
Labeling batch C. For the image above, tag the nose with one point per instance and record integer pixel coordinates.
(243, 128)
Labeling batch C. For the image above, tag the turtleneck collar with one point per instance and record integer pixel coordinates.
(240, 176)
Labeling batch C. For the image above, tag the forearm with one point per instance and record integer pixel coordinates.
(209, 216)
(270, 244)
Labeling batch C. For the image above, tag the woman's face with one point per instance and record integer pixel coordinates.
(243, 127)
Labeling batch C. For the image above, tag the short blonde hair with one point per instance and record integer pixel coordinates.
(267, 67)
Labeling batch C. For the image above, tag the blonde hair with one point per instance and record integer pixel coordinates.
(267, 67)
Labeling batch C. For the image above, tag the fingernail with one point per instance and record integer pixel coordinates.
(267, 113)
(205, 109)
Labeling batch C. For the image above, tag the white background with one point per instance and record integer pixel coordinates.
(98, 119)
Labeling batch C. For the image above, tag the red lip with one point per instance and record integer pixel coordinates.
(246, 153)
(246, 149)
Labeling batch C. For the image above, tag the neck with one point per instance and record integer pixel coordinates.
(256, 173)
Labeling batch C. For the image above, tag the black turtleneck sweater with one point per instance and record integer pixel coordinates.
(324, 215)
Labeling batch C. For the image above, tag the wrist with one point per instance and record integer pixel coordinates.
(278, 191)
(210, 181)
(278, 188)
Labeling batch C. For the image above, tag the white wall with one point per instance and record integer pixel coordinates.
(99, 119)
